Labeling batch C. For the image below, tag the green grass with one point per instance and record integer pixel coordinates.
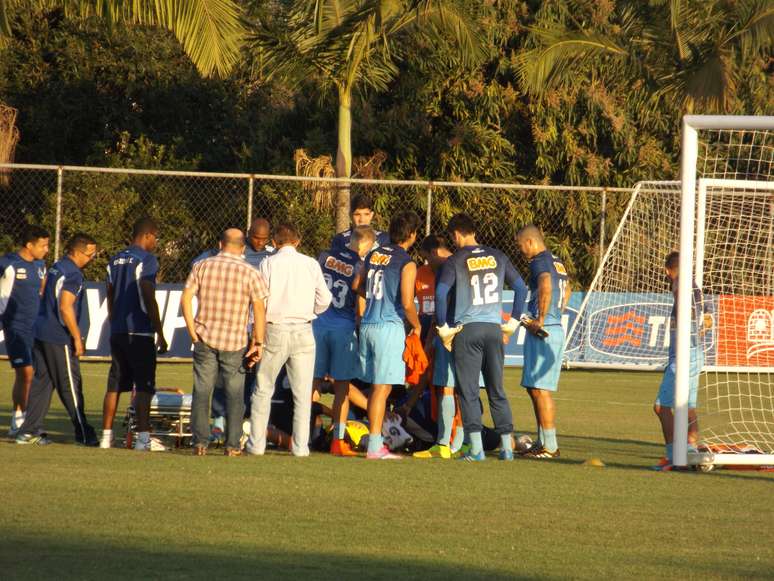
(71, 512)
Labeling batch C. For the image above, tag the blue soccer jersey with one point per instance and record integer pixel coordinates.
(545, 262)
(63, 276)
(477, 274)
(384, 267)
(339, 270)
(20, 284)
(341, 240)
(255, 257)
(125, 271)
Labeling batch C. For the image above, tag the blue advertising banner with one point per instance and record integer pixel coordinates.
(619, 328)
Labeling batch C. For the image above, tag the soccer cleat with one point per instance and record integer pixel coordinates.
(506, 455)
(29, 439)
(151, 445)
(470, 457)
(665, 467)
(437, 451)
(383, 454)
(464, 449)
(341, 448)
(540, 453)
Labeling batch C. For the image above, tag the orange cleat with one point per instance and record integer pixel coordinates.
(341, 448)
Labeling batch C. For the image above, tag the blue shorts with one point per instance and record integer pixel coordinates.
(336, 353)
(543, 359)
(381, 353)
(18, 347)
(443, 366)
(666, 392)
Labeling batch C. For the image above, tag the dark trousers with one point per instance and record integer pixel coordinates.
(479, 348)
(209, 364)
(56, 368)
(219, 395)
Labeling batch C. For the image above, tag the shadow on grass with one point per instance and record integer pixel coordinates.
(38, 557)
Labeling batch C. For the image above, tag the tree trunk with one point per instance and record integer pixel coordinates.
(344, 158)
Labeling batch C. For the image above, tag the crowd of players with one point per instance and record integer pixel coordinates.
(378, 310)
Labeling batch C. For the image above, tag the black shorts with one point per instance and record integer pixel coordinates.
(133, 363)
(18, 347)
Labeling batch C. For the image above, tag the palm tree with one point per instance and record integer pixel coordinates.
(210, 31)
(350, 45)
(687, 52)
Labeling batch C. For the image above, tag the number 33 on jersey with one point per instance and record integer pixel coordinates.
(339, 269)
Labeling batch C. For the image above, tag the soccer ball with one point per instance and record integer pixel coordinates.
(523, 443)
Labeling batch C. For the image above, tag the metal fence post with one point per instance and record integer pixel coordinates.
(250, 181)
(58, 227)
(429, 208)
(603, 213)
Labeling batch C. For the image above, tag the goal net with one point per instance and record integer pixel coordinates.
(726, 240)
(727, 177)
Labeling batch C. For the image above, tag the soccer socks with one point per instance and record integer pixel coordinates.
(143, 437)
(540, 437)
(445, 419)
(669, 452)
(459, 439)
(549, 439)
(339, 430)
(506, 442)
(476, 445)
(375, 443)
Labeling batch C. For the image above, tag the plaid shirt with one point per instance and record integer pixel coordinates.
(225, 286)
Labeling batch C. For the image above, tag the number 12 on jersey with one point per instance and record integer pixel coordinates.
(484, 289)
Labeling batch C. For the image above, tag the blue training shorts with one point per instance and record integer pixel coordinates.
(336, 353)
(543, 359)
(666, 392)
(18, 347)
(381, 353)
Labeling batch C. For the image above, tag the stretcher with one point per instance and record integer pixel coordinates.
(170, 418)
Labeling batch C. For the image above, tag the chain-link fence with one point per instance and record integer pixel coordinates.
(195, 207)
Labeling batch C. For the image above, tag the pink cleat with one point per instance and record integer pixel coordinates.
(383, 454)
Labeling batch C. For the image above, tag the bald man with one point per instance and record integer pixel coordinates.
(256, 251)
(544, 345)
(226, 287)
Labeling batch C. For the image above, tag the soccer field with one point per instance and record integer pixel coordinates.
(73, 512)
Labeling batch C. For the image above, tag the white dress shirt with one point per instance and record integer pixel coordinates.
(297, 290)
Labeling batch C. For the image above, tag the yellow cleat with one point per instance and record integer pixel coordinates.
(437, 451)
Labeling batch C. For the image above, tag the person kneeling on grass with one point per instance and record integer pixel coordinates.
(700, 323)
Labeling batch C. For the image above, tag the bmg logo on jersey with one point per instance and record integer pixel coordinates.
(760, 332)
(379, 259)
(339, 266)
(481, 263)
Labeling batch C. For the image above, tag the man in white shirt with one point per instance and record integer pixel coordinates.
(297, 294)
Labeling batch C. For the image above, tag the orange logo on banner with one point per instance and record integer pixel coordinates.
(746, 331)
(626, 328)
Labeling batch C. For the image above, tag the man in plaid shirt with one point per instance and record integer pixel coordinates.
(226, 287)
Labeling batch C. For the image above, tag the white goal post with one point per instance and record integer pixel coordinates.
(726, 216)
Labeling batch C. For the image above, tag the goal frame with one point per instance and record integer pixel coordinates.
(691, 126)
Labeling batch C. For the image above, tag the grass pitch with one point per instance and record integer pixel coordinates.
(72, 512)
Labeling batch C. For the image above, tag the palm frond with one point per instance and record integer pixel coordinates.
(560, 52)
